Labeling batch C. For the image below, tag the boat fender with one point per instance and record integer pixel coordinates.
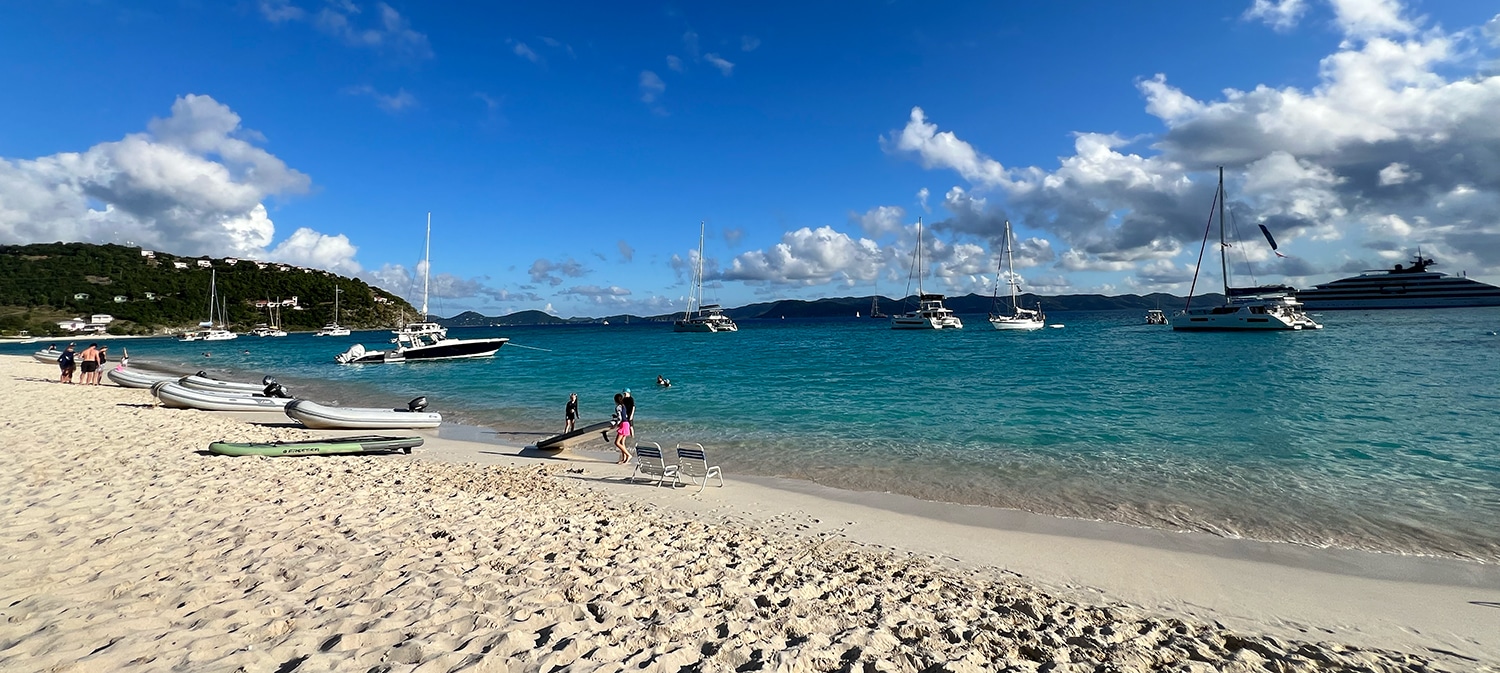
(417, 405)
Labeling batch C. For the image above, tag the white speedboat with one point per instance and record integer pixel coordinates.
(1400, 287)
(1154, 316)
(700, 317)
(314, 415)
(1245, 308)
(930, 312)
(1019, 318)
(422, 341)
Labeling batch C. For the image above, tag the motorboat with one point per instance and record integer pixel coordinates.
(700, 317)
(930, 312)
(215, 330)
(1019, 318)
(1266, 307)
(178, 396)
(334, 329)
(1404, 286)
(134, 378)
(423, 341)
(318, 416)
(1155, 316)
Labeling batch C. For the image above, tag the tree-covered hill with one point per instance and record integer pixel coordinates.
(147, 293)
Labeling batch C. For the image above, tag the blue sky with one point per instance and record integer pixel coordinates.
(568, 151)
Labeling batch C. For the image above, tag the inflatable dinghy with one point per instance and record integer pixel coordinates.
(202, 381)
(579, 436)
(177, 396)
(314, 415)
(49, 356)
(317, 447)
(134, 378)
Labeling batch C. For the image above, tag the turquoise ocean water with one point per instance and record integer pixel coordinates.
(1378, 432)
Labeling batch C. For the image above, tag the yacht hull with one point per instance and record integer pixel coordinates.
(1315, 304)
(449, 349)
(1013, 324)
(904, 322)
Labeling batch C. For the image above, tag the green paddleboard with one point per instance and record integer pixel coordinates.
(317, 447)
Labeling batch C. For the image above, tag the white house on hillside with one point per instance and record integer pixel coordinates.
(205, 263)
(179, 265)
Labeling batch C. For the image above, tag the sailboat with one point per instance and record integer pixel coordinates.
(1019, 318)
(274, 328)
(216, 331)
(1245, 308)
(701, 317)
(333, 329)
(420, 341)
(875, 308)
(930, 312)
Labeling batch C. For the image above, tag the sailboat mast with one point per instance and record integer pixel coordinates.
(1223, 244)
(698, 275)
(919, 261)
(1010, 267)
(213, 294)
(426, 264)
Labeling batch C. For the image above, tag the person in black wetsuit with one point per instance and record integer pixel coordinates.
(570, 413)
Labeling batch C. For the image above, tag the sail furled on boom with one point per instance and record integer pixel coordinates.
(1270, 239)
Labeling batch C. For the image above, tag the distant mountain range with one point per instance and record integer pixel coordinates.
(847, 307)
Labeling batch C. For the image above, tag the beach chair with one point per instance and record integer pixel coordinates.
(692, 462)
(649, 461)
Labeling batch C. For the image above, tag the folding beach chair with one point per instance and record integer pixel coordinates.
(648, 461)
(692, 462)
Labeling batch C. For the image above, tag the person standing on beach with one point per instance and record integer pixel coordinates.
(622, 429)
(570, 413)
(99, 369)
(88, 363)
(66, 363)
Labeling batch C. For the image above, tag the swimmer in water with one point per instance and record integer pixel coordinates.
(665, 383)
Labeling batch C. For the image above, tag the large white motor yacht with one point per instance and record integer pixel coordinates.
(1401, 287)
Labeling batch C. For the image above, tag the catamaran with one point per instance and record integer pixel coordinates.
(701, 317)
(333, 329)
(423, 340)
(930, 312)
(274, 328)
(215, 331)
(1019, 318)
(1270, 307)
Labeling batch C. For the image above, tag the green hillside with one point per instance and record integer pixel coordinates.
(45, 282)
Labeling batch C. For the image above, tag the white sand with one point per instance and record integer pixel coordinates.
(124, 547)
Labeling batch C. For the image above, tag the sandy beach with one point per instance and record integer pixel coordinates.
(125, 546)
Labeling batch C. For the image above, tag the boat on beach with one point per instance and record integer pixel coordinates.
(134, 378)
(1019, 318)
(178, 396)
(1404, 286)
(323, 417)
(700, 317)
(929, 312)
(423, 341)
(1261, 308)
(202, 381)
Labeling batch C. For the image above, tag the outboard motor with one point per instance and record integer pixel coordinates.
(417, 405)
(268, 380)
(274, 389)
(203, 374)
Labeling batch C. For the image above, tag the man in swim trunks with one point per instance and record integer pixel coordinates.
(88, 363)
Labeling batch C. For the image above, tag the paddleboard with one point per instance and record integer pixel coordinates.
(578, 436)
(317, 447)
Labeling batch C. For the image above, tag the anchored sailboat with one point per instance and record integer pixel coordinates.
(216, 331)
(1019, 318)
(701, 317)
(1244, 308)
(333, 329)
(930, 312)
(423, 340)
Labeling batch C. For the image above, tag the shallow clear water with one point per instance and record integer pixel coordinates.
(1378, 432)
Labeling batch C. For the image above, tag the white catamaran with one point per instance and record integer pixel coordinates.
(701, 317)
(1244, 308)
(930, 312)
(334, 329)
(216, 331)
(1019, 318)
(423, 340)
